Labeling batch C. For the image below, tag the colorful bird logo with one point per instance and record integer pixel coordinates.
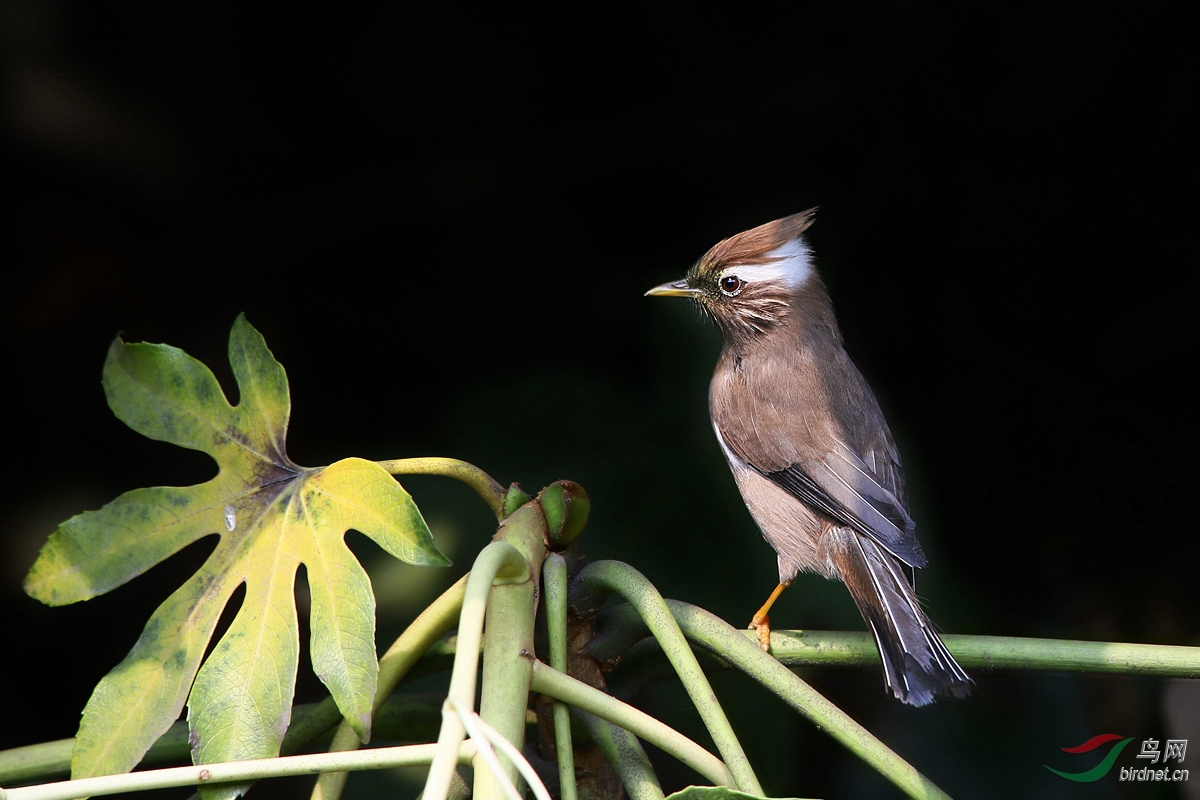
(1100, 770)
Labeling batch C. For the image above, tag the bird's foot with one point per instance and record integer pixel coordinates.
(762, 624)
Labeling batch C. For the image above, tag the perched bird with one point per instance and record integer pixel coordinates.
(810, 449)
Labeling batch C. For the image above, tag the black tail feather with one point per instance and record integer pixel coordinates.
(916, 664)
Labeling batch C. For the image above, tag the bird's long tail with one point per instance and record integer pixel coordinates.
(916, 665)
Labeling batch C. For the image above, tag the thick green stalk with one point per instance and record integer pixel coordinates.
(483, 484)
(498, 561)
(430, 625)
(604, 576)
(508, 649)
(554, 581)
(720, 637)
(553, 683)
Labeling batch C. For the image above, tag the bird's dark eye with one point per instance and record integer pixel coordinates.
(732, 285)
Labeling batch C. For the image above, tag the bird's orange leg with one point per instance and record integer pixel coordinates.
(762, 623)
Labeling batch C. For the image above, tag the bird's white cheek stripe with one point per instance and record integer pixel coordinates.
(792, 269)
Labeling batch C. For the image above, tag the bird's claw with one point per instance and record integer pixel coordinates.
(762, 624)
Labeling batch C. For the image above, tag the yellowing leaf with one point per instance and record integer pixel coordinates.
(272, 516)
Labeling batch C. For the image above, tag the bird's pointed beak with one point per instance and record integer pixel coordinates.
(678, 288)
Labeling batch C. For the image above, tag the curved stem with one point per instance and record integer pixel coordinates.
(550, 681)
(430, 625)
(645, 665)
(485, 745)
(720, 637)
(641, 594)
(484, 485)
(484, 734)
(497, 561)
(625, 753)
(438, 619)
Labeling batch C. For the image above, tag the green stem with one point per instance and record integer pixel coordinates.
(554, 579)
(645, 665)
(794, 648)
(623, 579)
(720, 637)
(999, 652)
(622, 628)
(625, 753)
(430, 626)
(236, 771)
(553, 683)
(497, 561)
(404, 718)
(50, 759)
(316, 722)
(484, 485)
(508, 651)
(425, 631)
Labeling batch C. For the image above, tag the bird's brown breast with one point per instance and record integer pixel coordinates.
(772, 406)
(809, 448)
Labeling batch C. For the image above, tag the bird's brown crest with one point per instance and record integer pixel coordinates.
(753, 246)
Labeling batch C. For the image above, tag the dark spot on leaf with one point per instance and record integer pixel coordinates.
(235, 434)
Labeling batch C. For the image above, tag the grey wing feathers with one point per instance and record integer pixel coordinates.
(844, 487)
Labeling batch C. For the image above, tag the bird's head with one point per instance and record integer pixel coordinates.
(750, 283)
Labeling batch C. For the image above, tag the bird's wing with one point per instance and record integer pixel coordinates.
(831, 451)
(844, 487)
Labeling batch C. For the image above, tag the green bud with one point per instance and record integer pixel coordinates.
(514, 498)
(566, 506)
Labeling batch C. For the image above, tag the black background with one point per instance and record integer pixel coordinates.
(444, 225)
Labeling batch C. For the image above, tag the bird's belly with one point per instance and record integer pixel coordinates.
(788, 525)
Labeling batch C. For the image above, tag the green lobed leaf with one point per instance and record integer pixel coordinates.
(272, 516)
(141, 698)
